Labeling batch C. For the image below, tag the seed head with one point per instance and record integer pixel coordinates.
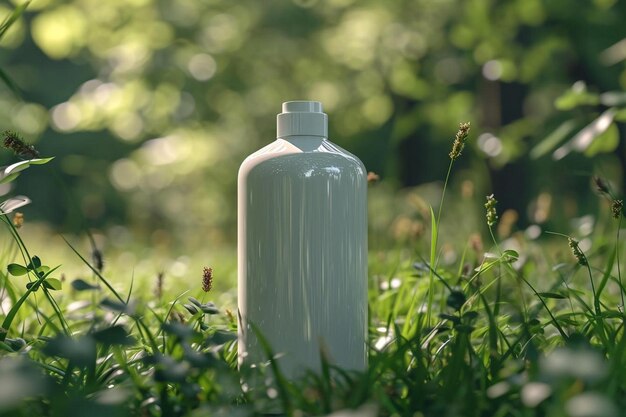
(98, 259)
(158, 287)
(490, 205)
(459, 140)
(578, 254)
(207, 279)
(617, 207)
(601, 186)
(15, 143)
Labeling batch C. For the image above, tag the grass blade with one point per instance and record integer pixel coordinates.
(12, 18)
(281, 381)
(95, 271)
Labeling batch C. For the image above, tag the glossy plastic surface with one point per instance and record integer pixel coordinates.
(302, 118)
(303, 254)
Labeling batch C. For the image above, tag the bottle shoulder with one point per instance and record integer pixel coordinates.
(336, 149)
(282, 156)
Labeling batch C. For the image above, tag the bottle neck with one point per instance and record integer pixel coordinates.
(302, 118)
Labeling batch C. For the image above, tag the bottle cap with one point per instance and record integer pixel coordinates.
(302, 118)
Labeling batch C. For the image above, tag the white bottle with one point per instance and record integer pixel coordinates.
(302, 247)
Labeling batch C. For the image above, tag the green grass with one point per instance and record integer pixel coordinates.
(531, 331)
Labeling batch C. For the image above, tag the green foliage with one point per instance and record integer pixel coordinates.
(162, 99)
(17, 270)
(601, 135)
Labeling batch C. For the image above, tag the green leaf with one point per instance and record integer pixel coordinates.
(34, 286)
(180, 330)
(17, 270)
(13, 203)
(34, 263)
(449, 317)
(42, 270)
(115, 335)
(576, 96)
(191, 308)
(82, 351)
(456, 299)
(40, 161)
(605, 143)
(509, 256)
(82, 285)
(10, 172)
(609, 314)
(53, 284)
(6, 348)
(553, 139)
(434, 235)
(6, 323)
(209, 308)
(551, 295)
(485, 266)
(16, 167)
(118, 306)
(470, 315)
(200, 360)
(220, 337)
(5, 179)
(584, 139)
(195, 301)
(433, 238)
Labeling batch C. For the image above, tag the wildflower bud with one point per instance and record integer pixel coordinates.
(18, 219)
(13, 142)
(459, 140)
(372, 177)
(490, 205)
(578, 254)
(207, 279)
(476, 243)
(230, 315)
(158, 287)
(617, 207)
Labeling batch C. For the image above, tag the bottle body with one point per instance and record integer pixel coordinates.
(302, 255)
